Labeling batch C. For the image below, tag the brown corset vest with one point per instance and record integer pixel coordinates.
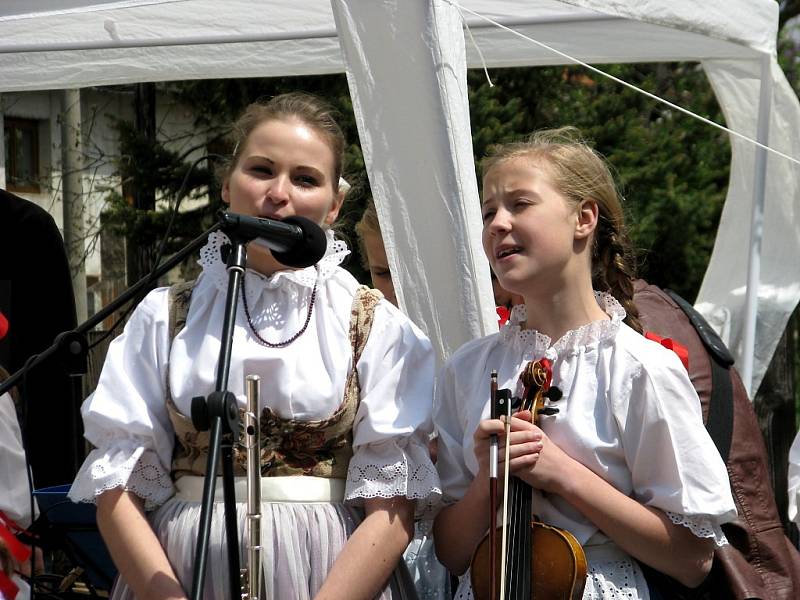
(321, 448)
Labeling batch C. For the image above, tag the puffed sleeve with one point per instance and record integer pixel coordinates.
(126, 417)
(673, 461)
(453, 470)
(393, 423)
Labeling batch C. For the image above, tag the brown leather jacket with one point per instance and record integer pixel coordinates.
(760, 561)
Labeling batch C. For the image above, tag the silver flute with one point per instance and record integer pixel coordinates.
(251, 575)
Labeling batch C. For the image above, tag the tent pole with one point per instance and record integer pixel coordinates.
(72, 196)
(756, 226)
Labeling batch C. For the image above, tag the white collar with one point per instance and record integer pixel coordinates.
(538, 344)
(215, 269)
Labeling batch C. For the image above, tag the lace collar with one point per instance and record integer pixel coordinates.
(538, 344)
(214, 268)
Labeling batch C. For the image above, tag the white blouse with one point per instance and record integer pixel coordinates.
(629, 413)
(15, 493)
(126, 417)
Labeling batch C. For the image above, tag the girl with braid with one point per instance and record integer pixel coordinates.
(626, 465)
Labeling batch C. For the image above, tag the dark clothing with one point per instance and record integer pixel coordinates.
(760, 561)
(37, 299)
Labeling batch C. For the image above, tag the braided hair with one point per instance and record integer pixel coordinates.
(580, 172)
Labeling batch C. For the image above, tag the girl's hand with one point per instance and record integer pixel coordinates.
(542, 465)
(525, 439)
(480, 440)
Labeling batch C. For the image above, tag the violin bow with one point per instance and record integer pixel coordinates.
(506, 471)
(493, 489)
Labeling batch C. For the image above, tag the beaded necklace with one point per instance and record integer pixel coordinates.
(284, 343)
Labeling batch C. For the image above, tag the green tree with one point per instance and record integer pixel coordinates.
(152, 168)
(672, 170)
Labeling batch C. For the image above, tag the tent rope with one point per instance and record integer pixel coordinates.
(475, 45)
(631, 86)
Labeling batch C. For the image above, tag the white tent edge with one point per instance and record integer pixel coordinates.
(432, 28)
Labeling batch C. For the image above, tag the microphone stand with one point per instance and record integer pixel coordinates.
(219, 413)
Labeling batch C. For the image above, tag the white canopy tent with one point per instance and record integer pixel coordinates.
(406, 63)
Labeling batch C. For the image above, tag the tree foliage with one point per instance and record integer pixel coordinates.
(145, 165)
(671, 169)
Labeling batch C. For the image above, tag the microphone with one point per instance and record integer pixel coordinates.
(294, 241)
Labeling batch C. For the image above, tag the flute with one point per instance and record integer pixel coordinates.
(251, 575)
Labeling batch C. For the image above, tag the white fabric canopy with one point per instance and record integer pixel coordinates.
(406, 63)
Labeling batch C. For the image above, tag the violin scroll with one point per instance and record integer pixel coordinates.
(537, 377)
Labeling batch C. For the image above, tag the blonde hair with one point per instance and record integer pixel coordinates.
(307, 108)
(367, 225)
(579, 172)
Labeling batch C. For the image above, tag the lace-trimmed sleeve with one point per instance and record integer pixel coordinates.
(393, 421)
(393, 468)
(702, 526)
(126, 417)
(674, 464)
(125, 464)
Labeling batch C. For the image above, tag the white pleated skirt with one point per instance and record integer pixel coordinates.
(300, 544)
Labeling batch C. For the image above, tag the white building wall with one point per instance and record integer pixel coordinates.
(100, 107)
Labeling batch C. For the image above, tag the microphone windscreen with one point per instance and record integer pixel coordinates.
(309, 250)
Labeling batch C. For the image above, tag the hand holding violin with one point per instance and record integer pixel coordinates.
(525, 439)
(557, 570)
(536, 459)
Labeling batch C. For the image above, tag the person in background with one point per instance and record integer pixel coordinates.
(430, 578)
(37, 298)
(373, 251)
(346, 413)
(626, 465)
(16, 509)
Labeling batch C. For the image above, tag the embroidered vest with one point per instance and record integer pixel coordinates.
(320, 448)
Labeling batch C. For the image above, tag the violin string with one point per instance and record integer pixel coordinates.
(514, 551)
(512, 543)
(506, 471)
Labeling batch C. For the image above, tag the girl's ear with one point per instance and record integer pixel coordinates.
(226, 191)
(336, 206)
(588, 213)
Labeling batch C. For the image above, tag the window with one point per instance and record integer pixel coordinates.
(22, 155)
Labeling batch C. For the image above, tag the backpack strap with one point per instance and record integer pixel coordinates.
(713, 343)
(720, 407)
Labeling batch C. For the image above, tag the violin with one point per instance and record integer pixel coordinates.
(530, 559)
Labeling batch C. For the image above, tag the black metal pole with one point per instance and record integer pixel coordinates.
(221, 413)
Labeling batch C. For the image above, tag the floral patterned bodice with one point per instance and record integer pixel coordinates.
(320, 448)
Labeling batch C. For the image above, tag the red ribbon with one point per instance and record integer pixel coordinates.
(678, 348)
(502, 315)
(18, 550)
(548, 369)
(8, 589)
